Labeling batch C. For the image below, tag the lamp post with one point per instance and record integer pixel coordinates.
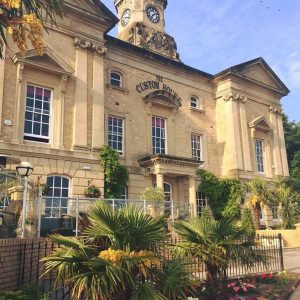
(24, 169)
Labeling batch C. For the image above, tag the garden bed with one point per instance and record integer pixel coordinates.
(278, 286)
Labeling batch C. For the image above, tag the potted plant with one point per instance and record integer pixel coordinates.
(92, 192)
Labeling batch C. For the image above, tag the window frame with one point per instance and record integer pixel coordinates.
(200, 136)
(34, 137)
(52, 198)
(201, 199)
(260, 156)
(121, 81)
(275, 212)
(154, 137)
(121, 152)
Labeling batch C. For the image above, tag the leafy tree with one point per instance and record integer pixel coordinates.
(225, 195)
(23, 21)
(292, 139)
(117, 257)
(217, 244)
(153, 194)
(247, 222)
(115, 175)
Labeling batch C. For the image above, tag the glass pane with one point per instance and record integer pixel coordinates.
(47, 95)
(38, 105)
(37, 117)
(29, 103)
(28, 127)
(36, 128)
(65, 193)
(45, 130)
(46, 108)
(65, 182)
(56, 192)
(64, 202)
(57, 181)
(39, 93)
(56, 202)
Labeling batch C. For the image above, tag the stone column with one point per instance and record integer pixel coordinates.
(282, 146)
(245, 137)
(60, 108)
(276, 146)
(192, 196)
(160, 181)
(18, 101)
(268, 216)
(80, 100)
(234, 148)
(98, 123)
(2, 63)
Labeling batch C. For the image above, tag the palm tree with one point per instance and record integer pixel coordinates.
(117, 258)
(260, 195)
(24, 20)
(290, 205)
(217, 243)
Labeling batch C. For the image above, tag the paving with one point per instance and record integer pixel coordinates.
(291, 261)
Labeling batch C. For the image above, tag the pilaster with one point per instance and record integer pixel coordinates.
(98, 120)
(282, 146)
(276, 143)
(18, 101)
(192, 196)
(160, 181)
(2, 66)
(80, 101)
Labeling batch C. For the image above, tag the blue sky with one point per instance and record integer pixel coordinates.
(213, 35)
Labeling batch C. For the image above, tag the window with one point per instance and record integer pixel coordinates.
(196, 140)
(37, 114)
(194, 102)
(4, 202)
(116, 134)
(274, 212)
(259, 150)
(57, 202)
(124, 193)
(115, 79)
(201, 202)
(158, 135)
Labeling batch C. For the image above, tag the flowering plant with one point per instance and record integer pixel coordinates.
(263, 277)
(241, 287)
(92, 192)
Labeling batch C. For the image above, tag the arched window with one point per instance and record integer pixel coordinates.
(57, 197)
(116, 79)
(195, 103)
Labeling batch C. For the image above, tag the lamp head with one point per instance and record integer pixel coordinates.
(24, 169)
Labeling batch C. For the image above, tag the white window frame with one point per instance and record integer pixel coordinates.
(52, 198)
(111, 79)
(275, 210)
(259, 155)
(34, 137)
(163, 132)
(194, 102)
(196, 144)
(201, 203)
(116, 134)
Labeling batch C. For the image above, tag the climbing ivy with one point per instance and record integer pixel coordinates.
(115, 175)
(225, 195)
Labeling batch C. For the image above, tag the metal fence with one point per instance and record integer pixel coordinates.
(20, 263)
(52, 211)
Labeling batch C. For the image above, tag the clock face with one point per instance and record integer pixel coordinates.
(126, 17)
(153, 14)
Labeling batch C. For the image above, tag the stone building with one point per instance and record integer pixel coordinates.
(134, 93)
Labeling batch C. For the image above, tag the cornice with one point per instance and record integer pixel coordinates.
(168, 159)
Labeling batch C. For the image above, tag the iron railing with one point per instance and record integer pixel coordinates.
(20, 263)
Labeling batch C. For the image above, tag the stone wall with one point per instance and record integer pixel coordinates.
(291, 238)
(20, 261)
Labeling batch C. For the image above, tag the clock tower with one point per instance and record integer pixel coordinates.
(142, 23)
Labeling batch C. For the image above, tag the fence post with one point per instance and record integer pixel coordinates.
(39, 213)
(77, 216)
(281, 252)
(172, 211)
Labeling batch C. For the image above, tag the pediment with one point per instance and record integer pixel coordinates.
(261, 123)
(93, 8)
(164, 98)
(48, 61)
(259, 72)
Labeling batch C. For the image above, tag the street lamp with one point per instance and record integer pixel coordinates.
(24, 169)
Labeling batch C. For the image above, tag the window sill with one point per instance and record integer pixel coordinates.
(197, 110)
(118, 88)
(37, 144)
